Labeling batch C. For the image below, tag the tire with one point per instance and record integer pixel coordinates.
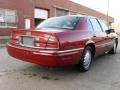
(86, 59)
(114, 49)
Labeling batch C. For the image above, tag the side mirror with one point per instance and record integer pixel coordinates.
(110, 31)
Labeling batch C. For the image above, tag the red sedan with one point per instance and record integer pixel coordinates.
(64, 40)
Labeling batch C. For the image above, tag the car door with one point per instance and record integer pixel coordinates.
(109, 39)
(98, 36)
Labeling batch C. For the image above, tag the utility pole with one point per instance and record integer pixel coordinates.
(108, 2)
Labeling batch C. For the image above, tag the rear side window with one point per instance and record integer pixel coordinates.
(89, 25)
(96, 25)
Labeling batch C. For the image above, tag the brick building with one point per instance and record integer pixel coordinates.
(28, 13)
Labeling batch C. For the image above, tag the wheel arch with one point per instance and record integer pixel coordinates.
(92, 45)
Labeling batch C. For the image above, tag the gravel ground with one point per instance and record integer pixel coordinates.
(18, 75)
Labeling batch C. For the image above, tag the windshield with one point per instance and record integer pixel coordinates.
(63, 22)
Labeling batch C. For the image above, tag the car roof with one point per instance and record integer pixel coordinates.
(85, 16)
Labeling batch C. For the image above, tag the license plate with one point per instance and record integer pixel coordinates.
(27, 41)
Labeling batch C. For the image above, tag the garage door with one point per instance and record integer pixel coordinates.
(40, 15)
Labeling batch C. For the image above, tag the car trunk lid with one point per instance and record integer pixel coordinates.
(34, 39)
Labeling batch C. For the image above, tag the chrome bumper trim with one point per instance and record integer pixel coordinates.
(63, 51)
(48, 52)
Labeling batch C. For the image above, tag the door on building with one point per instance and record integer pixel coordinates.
(40, 15)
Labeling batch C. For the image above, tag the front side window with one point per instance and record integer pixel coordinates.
(103, 25)
(96, 25)
(63, 22)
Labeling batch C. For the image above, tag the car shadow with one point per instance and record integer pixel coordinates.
(100, 66)
(70, 72)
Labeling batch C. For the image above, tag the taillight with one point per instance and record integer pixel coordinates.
(40, 42)
(46, 42)
(52, 43)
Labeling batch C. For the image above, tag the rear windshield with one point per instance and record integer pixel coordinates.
(63, 22)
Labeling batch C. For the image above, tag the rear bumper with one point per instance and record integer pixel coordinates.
(45, 57)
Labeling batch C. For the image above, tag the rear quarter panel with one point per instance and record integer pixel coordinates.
(73, 39)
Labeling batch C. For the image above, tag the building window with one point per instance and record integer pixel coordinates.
(8, 18)
(73, 13)
(61, 12)
(40, 15)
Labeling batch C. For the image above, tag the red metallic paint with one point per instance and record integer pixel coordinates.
(71, 46)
